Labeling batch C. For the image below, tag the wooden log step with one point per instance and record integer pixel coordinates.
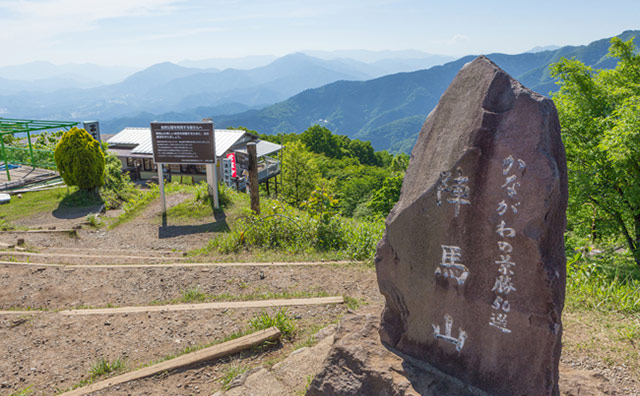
(191, 307)
(90, 256)
(203, 355)
(172, 265)
(213, 305)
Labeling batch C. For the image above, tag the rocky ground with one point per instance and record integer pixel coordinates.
(49, 352)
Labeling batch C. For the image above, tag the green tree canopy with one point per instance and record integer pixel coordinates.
(599, 113)
(80, 159)
(299, 173)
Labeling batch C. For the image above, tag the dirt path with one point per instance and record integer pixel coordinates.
(52, 352)
(144, 232)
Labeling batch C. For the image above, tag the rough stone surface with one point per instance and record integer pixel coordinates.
(287, 377)
(303, 363)
(358, 364)
(259, 383)
(472, 264)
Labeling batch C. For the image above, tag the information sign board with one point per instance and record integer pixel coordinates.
(242, 159)
(183, 142)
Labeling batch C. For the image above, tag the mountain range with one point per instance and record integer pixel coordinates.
(389, 111)
(67, 91)
(381, 96)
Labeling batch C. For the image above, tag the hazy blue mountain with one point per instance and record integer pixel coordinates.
(368, 56)
(143, 119)
(82, 74)
(380, 63)
(168, 87)
(274, 82)
(389, 110)
(154, 76)
(243, 63)
(543, 48)
(15, 87)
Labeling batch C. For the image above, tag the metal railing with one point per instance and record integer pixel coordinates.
(23, 156)
(268, 168)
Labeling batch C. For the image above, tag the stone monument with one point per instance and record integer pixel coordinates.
(472, 264)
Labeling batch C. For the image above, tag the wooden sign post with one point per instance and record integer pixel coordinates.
(253, 177)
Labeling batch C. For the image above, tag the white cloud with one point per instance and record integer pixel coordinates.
(33, 20)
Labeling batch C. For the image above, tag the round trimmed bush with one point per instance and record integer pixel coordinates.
(80, 159)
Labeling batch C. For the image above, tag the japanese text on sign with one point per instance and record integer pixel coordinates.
(183, 143)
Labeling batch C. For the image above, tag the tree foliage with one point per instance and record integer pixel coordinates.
(299, 173)
(321, 140)
(80, 159)
(599, 113)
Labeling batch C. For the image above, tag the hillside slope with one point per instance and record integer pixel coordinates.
(390, 110)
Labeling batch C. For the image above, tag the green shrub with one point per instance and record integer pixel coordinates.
(117, 187)
(80, 159)
(281, 226)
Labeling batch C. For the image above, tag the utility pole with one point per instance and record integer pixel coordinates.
(253, 177)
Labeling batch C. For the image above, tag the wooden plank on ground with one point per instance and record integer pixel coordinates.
(91, 256)
(33, 312)
(216, 351)
(65, 230)
(214, 305)
(172, 265)
(92, 250)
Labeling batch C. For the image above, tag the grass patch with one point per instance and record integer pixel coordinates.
(94, 221)
(191, 209)
(610, 337)
(100, 368)
(607, 283)
(280, 319)
(602, 306)
(351, 302)
(136, 204)
(32, 203)
(24, 392)
(193, 295)
(104, 367)
(230, 373)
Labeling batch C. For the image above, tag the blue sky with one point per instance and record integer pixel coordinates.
(143, 32)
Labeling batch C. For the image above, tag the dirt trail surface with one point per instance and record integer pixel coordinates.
(65, 288)
(50, 352)
(144, 232)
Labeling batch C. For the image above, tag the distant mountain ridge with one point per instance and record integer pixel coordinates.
(390, 110)
(286, 95)
(68, 92)
(82, 74)
(167, 87)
